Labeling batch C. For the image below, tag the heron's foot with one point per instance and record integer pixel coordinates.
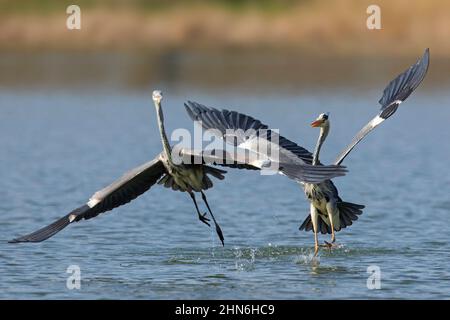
(316, 250)
(330, 245)
(204, 219)
(220, 234)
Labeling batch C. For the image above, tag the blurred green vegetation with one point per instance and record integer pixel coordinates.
(49, 6)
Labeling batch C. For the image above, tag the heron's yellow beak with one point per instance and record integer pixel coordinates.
(316, 123)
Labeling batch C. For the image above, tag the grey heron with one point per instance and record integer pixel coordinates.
(324, 197)
(189, 177)
(328, 212)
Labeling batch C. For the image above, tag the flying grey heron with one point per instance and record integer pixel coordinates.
(191, 175)
(328, 213)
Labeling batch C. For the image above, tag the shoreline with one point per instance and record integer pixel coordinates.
(257, 71)
(316, 28)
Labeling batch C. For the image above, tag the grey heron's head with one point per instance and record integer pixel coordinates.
(157, 96)
(321, 121)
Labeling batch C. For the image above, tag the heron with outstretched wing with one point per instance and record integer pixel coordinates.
(328, 212)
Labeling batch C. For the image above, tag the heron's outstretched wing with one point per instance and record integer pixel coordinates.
(131, 185)
(219, 157)
(395, 93)
(246, 159)
(265, 145)
(243, 131)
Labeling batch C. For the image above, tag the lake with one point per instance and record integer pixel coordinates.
(60, 144)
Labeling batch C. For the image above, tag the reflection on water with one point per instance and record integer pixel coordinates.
(61, 143)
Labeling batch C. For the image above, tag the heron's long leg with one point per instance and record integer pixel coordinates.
(218, 230)
(331, 212)
(333, 216)
(314, 220)
(200, 216)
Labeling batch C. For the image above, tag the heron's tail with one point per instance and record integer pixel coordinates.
(216, 173)
(348, 212)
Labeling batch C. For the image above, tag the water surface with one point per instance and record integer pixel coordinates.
(60, 146)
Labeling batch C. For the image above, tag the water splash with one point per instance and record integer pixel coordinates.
(242, 263)
(307, 258)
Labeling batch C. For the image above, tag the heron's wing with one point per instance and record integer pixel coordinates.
(395, 93)
(232, 126)
(401, 87)
(131, 185)
(219, 157)
(246, 159)
(241, 130)
(248, 133)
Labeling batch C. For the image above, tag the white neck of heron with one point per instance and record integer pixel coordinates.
(165, 142)
(322, 136)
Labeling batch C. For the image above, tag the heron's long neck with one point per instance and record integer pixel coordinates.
(162, 131)
(322, 136)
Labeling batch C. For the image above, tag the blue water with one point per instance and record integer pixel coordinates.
(58, 147)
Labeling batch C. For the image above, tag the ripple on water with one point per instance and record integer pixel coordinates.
(182, 260)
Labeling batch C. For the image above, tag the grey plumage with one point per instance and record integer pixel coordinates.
(249, 133)
(348, 212)
(395, 93)
(123, 190)
(183, 177)
(252, 161)
(127, 188)
(243, 128)
(403, 85)
(324, 196)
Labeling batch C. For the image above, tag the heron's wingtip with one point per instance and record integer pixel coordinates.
(399, 89)
(426, 58)
(21, 240)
